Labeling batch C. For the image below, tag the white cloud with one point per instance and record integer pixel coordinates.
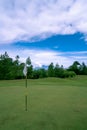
(26, 19)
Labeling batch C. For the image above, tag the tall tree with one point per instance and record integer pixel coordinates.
(5, 66)
(29, 68)
(59, 71)
(83, 69)
(51, 70)
(75, 67)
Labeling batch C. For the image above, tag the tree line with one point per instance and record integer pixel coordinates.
(13, 69)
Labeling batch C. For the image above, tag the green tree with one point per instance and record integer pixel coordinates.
(56, 70)
(30, 71)
(83, 69)
(36, 74)
(16, 68)
(51, 70)
(29, 68)
(42, 73)
(5, 66)
(75, 67)
(28, 61)
(39, 73)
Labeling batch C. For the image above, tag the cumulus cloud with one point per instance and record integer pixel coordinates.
(39, 19)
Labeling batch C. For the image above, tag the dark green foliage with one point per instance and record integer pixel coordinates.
(13, 69)
(75, 67)
(10, 69)
(83, 69)
(5, 66)
(51, 70)
(58, 71)
(79, 69)
(40, 73)
(35, 74)
(63, 73)
(30, 72)
(67, 74)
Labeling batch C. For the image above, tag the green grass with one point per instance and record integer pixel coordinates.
(53, 104)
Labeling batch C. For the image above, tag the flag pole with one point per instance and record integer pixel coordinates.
(26, 93)
(25, 74)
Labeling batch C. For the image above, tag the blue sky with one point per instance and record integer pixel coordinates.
(47, 31)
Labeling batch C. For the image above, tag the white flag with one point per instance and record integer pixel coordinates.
(25, 70)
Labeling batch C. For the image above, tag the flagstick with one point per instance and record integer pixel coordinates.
(26, 94)
(25, 74)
